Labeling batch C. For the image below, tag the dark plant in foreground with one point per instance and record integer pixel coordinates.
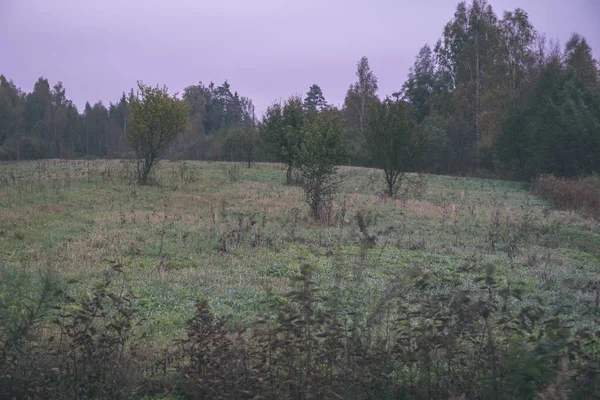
(428, 337)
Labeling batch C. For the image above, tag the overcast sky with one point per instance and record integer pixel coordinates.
(266, 49)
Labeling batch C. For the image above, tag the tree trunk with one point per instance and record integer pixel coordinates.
(389, 177)
(288, 176)
(87, 136)
(477, 91)
(361, 116)
(145, 175)
(143, 169)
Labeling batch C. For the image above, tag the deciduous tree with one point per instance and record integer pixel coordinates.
(282, 131)
(156, 118)
(392, 141)
(247, 134)
(320, 153)
(359, 97)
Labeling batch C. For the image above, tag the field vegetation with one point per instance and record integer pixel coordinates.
(188, 247)
(453, 287)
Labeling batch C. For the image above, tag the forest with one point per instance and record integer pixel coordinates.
(493, 95)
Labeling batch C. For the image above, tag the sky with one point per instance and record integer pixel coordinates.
(266, 49)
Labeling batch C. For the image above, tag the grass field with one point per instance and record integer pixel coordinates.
(234, 236)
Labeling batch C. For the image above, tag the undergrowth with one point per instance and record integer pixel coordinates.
(460, 343)
(582, 195)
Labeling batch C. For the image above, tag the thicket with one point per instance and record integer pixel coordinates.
(582, 195)
(427, 338)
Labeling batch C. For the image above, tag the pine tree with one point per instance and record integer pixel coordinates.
(314, 101)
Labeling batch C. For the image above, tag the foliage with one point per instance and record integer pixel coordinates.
(314, 102)
(581, 195)
(26, 300)
(419, 89)
(88, 358)
(320, 153)
(46, 124)
(94, 354)
(393, 141)
(282, 131)
(359, 97)
(557, 131)
(247, 140)
(479, 341)
(470, 92)
(404, 288)
(156, 119)
(578, 57)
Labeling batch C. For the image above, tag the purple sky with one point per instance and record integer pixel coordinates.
(267, 49)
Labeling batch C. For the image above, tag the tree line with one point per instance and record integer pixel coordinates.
(492, 94)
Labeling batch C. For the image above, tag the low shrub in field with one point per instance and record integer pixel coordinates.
(581, 195)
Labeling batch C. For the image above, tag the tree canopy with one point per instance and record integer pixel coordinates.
(392, 141)
(321, 151)
(156, 119)
(490, 82)
(282, 131)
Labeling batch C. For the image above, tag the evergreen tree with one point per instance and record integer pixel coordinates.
(314, 101)
(359, 97)
(12, 106)
(557, 131)
(420, 86)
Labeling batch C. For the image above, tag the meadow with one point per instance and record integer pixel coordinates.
(236, 237)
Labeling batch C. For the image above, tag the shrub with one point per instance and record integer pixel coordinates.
(322, 150)
(392, 141)
(474, 341)
(582, 195)
(25, 300)
(94, 354)
(86, 353)
(156, 119)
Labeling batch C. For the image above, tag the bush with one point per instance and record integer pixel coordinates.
(392, 142)
(87, 352)
(582, 195)
(473, 342)
(25, 300)
(317, 159)
(156, 119)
